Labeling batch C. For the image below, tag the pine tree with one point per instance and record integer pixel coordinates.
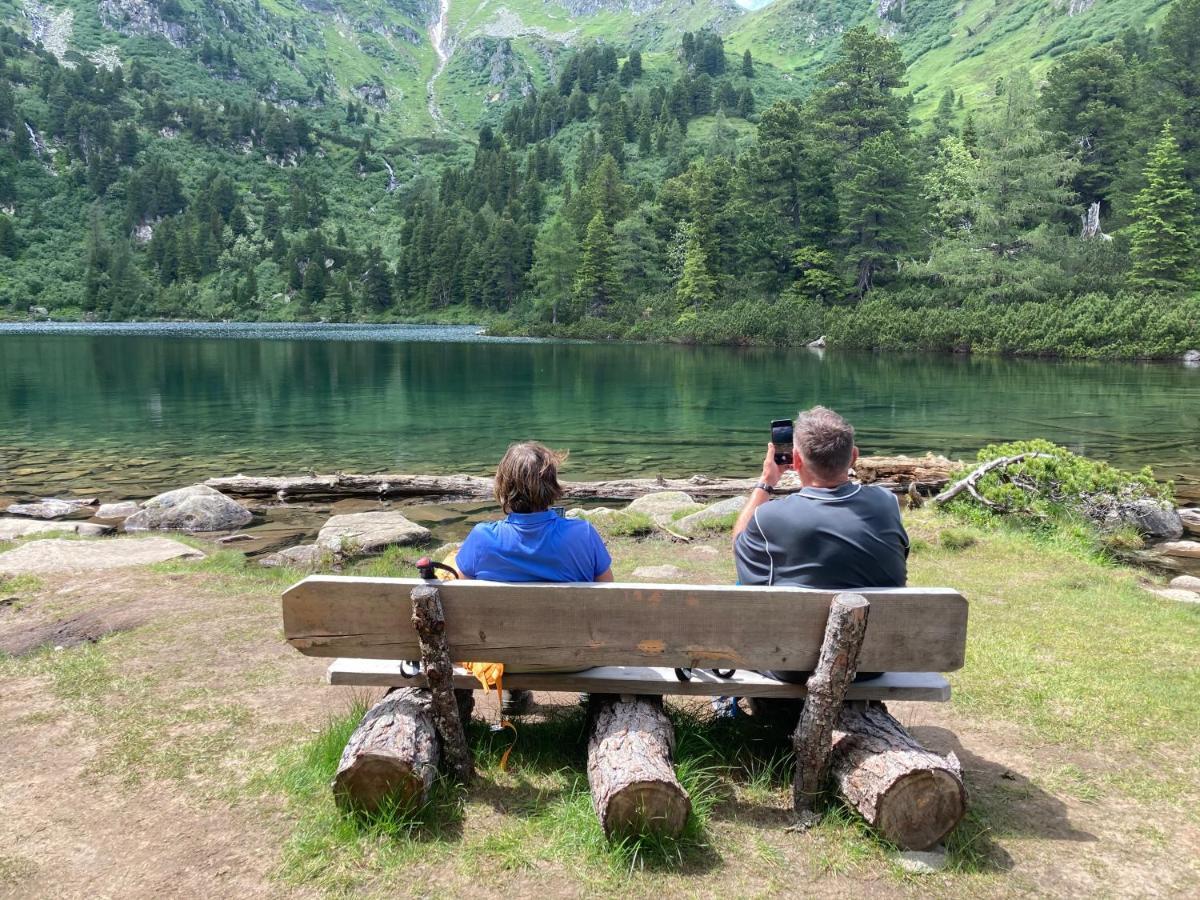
(877, 208)
(595, 281)
(8, 238)
(555, 259)
(696, 287)
(1163, 234)
(860, 101)
(747, 64)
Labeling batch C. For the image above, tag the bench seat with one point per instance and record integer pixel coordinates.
(926, 686)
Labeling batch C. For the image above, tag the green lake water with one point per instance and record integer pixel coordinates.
(131, 410)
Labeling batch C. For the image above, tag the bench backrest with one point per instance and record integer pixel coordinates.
(551, 626)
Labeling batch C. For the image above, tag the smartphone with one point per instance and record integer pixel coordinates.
(781, 438)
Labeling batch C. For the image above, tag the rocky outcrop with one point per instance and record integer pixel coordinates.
(51, 28)
(60, 555)
(195, 508)
(356, 534)
(372, 93)
(1154, 520)
(48, 508)
(143, 17)
(499, 67)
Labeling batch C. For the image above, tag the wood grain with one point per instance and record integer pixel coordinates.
(580, 625)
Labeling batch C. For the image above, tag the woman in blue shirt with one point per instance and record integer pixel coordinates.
(533, 542)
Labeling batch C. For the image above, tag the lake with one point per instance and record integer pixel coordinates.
(128, 410)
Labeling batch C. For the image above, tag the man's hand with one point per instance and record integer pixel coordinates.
(771, 471)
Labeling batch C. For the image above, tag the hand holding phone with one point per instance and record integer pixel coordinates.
(781, 440)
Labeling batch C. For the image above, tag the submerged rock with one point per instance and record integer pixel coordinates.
(10, 529)
(62, 555)
(369, 532)
(195, 508)
(48, 508)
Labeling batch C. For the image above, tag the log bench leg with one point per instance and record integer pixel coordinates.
(391, 756)
(630, 771)
(911, 796)
(429, 619)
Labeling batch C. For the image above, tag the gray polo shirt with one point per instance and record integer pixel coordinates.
(830, 538)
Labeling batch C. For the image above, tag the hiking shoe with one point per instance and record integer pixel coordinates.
(725, 707)
(516, 703)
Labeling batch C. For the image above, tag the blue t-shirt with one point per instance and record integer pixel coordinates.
(541, 546)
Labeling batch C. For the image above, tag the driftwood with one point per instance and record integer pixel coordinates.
(969, 484)
(429, 620)
(929, 473)
(391, 756)
(844, 631)
(634, 788)
(911, 796)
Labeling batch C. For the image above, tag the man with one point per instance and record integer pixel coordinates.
(833, 534)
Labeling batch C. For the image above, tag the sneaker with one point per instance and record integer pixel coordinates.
(516, 703)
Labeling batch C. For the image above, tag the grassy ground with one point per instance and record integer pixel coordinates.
(191, 753)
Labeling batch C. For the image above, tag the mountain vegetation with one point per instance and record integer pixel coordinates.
(656, 171)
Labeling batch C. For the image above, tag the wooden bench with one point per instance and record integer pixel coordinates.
(630, 638)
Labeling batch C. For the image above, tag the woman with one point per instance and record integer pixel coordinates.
(533, 542)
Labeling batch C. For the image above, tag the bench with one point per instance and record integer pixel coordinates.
(630, 638)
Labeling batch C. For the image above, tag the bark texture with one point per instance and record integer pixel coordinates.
(827, 685)
(911, 796)
(429, 619)
(634, 788)
(929, 473)
(391, 756)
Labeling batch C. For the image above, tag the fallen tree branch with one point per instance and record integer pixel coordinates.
(969, 484)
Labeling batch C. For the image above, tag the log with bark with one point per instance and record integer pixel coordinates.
(911, 796)
(429, 620)
(392, 755)
(929, 473)
(844, 631)
(630, 770)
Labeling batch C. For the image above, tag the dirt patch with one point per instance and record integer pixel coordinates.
(85, 628)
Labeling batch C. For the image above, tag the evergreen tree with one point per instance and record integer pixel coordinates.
(747, 64)
(595, 281)
(1163, 242)
(555, 259)
(859, 100)
(1176, 72)
(696, 288)
(8, 238)
(877, 209)
(377, 281)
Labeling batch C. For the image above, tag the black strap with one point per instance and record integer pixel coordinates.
(686, 674)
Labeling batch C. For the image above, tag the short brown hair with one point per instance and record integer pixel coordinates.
(527, 478)
(824, 440)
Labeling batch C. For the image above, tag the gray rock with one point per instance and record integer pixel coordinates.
(47, 508)
(1192, 357)
(1185, 583)
(63, 555)
(304, 556)
(122, 510)
(663, 504)
(10, 529)
(714, 513)
(1153, 519)
(818, 344)
(369, 532)
(1191, 520)
(658, 573)
(195, 508)
(1183, 549)
(1179, 596)
(922, 862)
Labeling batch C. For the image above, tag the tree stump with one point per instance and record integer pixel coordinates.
(835, 669)
(391, 756)
(429, 619)
(634, 788)
(911, 796)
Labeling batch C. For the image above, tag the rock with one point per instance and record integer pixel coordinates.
(704, 550)
(1190, 518)
(1185, 583)
(122, 510)
(195, 508)
(662, 505)
(48, 508)
(39, 312)
(1184, 549)
(304, 556)
(62, 555)
(658, 573)
(922, 862)
(1179, 596)
(711, 514)
(818, 344)
(369, 532)
(10, 529)
(1153, 519)
(1192, 357)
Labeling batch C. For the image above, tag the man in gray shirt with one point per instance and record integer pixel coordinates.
(833, 534)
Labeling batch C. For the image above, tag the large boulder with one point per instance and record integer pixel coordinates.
(1191, 520)
(63, 555)
(1153, 519)
(11, 529)
(195, 508)
(48, 508)
(369, 532)
(303, 556)
(1185, 583)
(711, 516)
(117, 511)
(663, 505)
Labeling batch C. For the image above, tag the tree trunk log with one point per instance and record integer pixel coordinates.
(391, 756)
(912, 797)
(634, 788)
(929, 473)
(835, 670)
(429, 619)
